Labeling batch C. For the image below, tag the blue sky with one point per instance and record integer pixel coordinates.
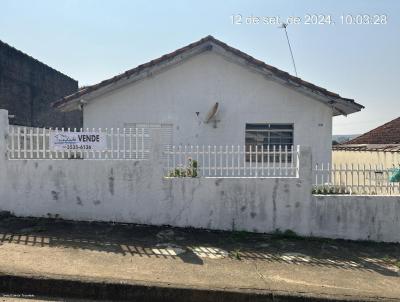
(92, 40)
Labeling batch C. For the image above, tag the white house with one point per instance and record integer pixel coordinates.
(258, 104)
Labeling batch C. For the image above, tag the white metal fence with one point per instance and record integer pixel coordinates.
(355, 179)
(122, 143)
(232, 161)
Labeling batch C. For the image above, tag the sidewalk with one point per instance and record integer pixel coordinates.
(192, 262)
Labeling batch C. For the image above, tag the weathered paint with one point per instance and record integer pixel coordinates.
(80, 190)
(195, 85)
(136, 192)
(356, 217)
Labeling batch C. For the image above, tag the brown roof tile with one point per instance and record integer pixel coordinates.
(388, 133)
(367, 147)
(252, 61)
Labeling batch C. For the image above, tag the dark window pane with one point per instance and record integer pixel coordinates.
(272, 137)
(269, 126)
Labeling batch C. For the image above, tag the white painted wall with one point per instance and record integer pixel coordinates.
(133, 192)
(173, 96)
(356, 217)
(136, 192)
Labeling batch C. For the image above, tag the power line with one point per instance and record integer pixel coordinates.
(284, 26)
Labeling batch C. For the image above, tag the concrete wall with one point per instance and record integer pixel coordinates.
(133, 192)
(175, 95)
(387, 159)
(27, 87)
(136, 192)
(356, 217)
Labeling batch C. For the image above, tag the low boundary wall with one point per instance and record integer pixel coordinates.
(356, 217)
(135, 191)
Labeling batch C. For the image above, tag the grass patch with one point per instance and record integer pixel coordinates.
(393, 261)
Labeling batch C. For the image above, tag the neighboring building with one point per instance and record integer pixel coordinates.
(380, 146)
(255, 103)
(27, 88)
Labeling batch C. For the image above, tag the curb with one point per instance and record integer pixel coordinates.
(86, 289)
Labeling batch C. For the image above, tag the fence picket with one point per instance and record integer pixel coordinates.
(354, 179)
(233, 161)
(286, 160)
(238, 161)
(268, 159)
(217, 161)
(34, 143)
(12, 147)
(221, 162)
(201, 167)
(244, 160)
(280, 160)
(250, 161)
(262, 160)
(230, 161)
(142, 143)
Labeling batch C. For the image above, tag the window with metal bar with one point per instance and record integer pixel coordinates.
(274, 139)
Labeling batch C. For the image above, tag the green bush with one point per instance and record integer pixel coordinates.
(191, 170)
(329, 190)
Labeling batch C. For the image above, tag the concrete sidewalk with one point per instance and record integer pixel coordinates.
(170, 264)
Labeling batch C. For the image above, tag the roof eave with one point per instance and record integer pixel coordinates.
(340, 106)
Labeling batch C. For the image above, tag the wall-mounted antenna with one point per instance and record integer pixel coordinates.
(284, 26)
(211, 115)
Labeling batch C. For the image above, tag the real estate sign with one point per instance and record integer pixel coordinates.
(64, 141)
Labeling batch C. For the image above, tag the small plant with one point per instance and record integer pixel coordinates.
(177, 172)
(329, 190)
(236, 254)
(194, 165)
(189, 171)
(392, 261)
